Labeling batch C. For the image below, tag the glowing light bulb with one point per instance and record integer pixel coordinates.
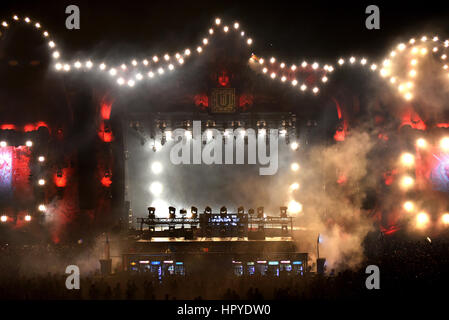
(407, 182)
(408, 206)
(444, 143)
(422, 219)
(217, 21)
(294, 145)
(294, 166)
(421, 143)
(407, 159)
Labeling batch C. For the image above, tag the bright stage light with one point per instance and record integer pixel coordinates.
(407, 182)
(294, 146)
(28, 218)
(156, 188)
(41, 182)
(294, 207)
(422, 220)
(29, 143)
(56, 55)
(156, 167)
(444, 144)
(3, 144)
(294, 186)
(4, 218)
(408, 206)
(421, 143)
(42, 208)
(112, 72)
(41, 159)
(445, 218)
(407, 159)
(294, 166)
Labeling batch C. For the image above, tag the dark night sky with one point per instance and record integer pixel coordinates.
(285, 29)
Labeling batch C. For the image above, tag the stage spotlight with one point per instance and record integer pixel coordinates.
(422, 220)
(241, 210)
(294, 166)
(407, 182)
(28, 218)
(445, 218)
(294, 146)
(294, 207)
(260, 212)
(283, 212)
(444, 144)
(156, 167)
(41, 182)
(208, 210)
(151, 212)
(193, 212)
(29, 143)
(41, 159)
(294, 186)
(421, 143)
(172, 212)
(408, 206)
(42, 208)
(183, 212)
(223, 211)
(3, 218)
(251, 212)
(156, 188)
(3, 144)
(407, 159)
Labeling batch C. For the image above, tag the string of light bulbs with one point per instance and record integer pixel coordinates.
(129, 74)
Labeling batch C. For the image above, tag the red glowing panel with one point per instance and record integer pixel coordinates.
(411, 118)
(61, 180)
(443, 125)
(8, 127)
(201, 100)
(106, 181)
(105, 133)
(223, 79)
(29, 127)
(105, 110)
(246, 100)
(340, 134)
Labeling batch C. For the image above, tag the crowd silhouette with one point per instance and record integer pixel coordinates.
(408, 268)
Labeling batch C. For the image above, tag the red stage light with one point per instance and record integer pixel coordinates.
(105, 110)
(106, 181)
